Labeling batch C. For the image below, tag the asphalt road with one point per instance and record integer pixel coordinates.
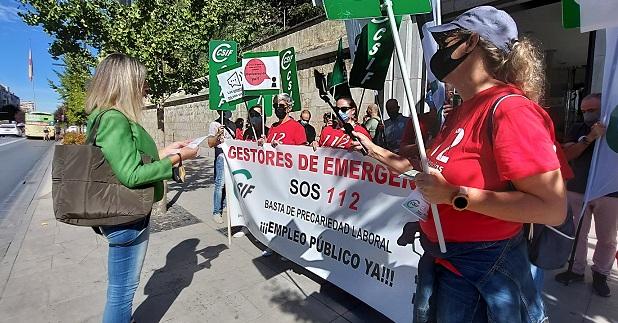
(17, 157)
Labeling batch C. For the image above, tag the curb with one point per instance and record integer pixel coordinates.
(27, 197)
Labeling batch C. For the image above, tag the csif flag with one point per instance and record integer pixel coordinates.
(374, 50)
(338, 79)
(30, 66)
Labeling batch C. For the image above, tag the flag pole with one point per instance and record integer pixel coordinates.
(262, 115)
(388, 4)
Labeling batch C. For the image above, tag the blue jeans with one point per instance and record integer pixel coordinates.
(495, 285)
(219, 198)
(127, 250)
(538, 275)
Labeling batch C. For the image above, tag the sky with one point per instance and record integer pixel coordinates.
(15, 39)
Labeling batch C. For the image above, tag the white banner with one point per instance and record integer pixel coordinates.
(603, 177)
(336, 213)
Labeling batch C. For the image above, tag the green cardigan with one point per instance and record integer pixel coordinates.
(123, 142)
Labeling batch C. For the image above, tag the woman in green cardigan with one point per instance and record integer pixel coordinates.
(117, 90)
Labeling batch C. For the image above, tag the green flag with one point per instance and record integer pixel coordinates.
(266, 101)
(221, 53)
(570, 14)
(373, 55)
(338, 79)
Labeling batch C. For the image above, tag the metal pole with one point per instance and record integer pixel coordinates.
(417, 128)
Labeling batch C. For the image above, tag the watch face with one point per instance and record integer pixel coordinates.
(460, 202)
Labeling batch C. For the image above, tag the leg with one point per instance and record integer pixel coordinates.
(457, 300)
(581, 253)
(605, 224)
(219, 182)
(127, 250)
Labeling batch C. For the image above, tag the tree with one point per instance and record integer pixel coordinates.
(72, 87)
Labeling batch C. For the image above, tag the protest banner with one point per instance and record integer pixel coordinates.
(221, 53)
(261, 73)
(373, 55)
(289, 76)
(336, 213)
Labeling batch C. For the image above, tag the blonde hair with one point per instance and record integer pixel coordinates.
(373, 109)
(118, 83)
(523, 66)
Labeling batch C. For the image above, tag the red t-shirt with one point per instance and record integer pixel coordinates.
(426, 121)
(522, 146)
(238, 134)
(337, 138)
(290, 132)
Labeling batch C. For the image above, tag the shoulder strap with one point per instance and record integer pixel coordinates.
(490, 122)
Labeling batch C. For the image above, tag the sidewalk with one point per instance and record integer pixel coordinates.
(190, 274)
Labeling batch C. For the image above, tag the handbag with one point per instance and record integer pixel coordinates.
(549, 247)
(86, 192)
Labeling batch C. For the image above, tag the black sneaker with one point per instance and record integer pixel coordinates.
(569, 277)
(599, 284)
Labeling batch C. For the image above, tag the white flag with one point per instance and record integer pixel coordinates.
(30, 66)
(603, 176)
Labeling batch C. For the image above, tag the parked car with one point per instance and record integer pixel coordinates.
(9, 129)
(72, 129)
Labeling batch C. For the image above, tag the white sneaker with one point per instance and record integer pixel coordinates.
(267, 252)
(239, 234)
(218, 218)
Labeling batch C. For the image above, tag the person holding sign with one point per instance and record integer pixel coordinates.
(335, 136)
(287, 131)
(219, 130)
(494, 167)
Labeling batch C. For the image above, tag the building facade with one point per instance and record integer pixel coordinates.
(7, 97)
(27, 106)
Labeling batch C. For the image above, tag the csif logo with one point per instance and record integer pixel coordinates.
(413, 204)
(243, 189)
(222, 52)
(286, 60)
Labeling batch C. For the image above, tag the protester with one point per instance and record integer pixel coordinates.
(492, 172)
(579, 149)
(394, 126)
(329, 120)
(240, 125)
(287, 131)
(305, 117)
(46, 133)
(117, 89)
(255, 123)
(335, 136)
(372, 119)
(222, 128)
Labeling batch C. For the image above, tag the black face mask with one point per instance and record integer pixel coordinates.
(442, 64)
(280, 112)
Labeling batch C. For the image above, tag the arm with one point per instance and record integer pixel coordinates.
(116, 141)
(393, 161)
(574, 149)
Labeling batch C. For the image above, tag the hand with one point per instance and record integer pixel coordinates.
(596, 131)
(447, 108)
(315, 145)
(188, 153)
(362, 139)
(261, 141)
(219, 134)
(435, 188)
(275, 143)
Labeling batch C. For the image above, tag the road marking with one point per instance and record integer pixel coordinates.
(12, 142)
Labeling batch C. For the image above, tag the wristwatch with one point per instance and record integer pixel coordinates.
(584, 140)
(460, 201)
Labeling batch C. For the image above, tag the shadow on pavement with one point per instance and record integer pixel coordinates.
(166, 283)
(200, 174)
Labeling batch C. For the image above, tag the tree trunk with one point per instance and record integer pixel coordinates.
(160, 208)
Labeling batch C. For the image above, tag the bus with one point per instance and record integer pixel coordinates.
(36, 122)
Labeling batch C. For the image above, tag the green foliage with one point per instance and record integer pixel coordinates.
(72, 87)
(170, 37)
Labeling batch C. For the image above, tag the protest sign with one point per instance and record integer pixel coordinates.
(261, 73)
(289, 76)
(358, 9)
(231, 81)
(221, 53)
(373, 55)
(336, 213)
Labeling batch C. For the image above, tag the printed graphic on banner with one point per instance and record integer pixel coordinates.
(261, 73)
(221, 54)
(336, 213)
(374, 50)
(231, 81)
(289, 76)
(358, 9)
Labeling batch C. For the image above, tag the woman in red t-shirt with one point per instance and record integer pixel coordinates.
(491, 172)
(334, 136)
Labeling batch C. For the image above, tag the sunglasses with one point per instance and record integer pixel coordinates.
(282, 106)
(344, 109)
